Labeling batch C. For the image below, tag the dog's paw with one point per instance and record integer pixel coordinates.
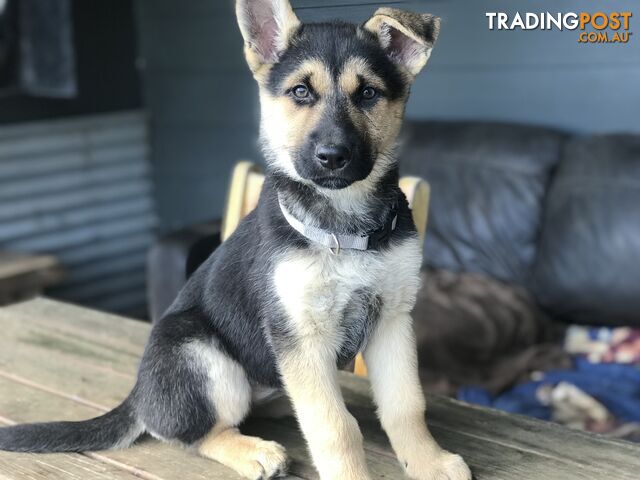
(252, 457)
(443, 466)
(263, 461)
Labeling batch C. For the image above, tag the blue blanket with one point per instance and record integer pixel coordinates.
(616, 386)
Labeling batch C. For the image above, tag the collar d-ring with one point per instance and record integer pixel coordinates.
(337, 247)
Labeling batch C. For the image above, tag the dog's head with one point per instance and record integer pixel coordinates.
(333, 94)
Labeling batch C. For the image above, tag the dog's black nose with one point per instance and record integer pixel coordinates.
(333, 157)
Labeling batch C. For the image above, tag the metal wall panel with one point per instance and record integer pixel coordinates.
(81, 189)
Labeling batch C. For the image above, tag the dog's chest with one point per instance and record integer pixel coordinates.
(337, 299)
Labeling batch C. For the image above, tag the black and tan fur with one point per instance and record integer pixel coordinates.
(272, 312)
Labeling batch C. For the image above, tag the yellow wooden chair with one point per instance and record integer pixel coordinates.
(244, 192)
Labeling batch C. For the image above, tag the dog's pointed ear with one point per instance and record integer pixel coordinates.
(406, 37)
(266, 26)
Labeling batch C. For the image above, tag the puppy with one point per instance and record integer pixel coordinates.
(326, 266)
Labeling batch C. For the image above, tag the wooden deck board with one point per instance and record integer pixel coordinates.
(74, 467)
(464, 428)
(149, 458)
(24, 275)
(64, 362)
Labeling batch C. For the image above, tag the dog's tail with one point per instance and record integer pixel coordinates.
(117, 429)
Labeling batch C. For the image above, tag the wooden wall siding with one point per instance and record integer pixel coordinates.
(204, 106)
(81, 189)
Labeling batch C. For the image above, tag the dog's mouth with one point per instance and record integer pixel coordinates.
(332, 183)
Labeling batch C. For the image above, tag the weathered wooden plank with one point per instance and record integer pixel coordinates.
(23, 276)
(149, 458)
(159, 459)
(12, 264)
(498, 446)
(25, 466)
(382, 464)
(96, 328)
(491, 439)
(41, 356)
(488, 460)
(66, 363)
(172, 461)
(89, 383)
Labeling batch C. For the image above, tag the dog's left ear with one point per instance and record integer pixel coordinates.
(406, 37)
(266, 26)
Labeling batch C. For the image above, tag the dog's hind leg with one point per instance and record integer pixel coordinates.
(191, 390)
(231, 392)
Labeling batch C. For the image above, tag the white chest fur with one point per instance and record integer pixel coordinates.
(314, 286)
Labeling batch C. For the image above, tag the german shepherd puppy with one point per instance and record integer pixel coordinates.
(326, 266)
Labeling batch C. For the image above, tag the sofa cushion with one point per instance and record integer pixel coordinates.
(488, 182)
(588, 270)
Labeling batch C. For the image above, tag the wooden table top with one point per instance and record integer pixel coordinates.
(62, 362)
(25, 275)
(14, 264)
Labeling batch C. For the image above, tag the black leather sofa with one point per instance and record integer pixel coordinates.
(529, 228)
(555, 213)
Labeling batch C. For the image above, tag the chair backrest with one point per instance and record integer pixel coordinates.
(247, 180)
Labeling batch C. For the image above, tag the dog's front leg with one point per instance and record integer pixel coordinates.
(391, 358)
(334, 439)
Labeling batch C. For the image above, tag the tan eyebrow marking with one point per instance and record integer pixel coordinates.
(354, 69)
(315, 71)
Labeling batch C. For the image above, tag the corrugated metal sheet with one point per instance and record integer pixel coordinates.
(81, 190)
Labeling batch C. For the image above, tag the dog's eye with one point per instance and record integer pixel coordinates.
(369, 93)
(300, 91)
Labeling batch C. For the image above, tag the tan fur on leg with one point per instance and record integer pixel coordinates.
(251, 457)
(393, 369)
(333, 436)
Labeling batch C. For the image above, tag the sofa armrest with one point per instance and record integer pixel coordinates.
(173, 258)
